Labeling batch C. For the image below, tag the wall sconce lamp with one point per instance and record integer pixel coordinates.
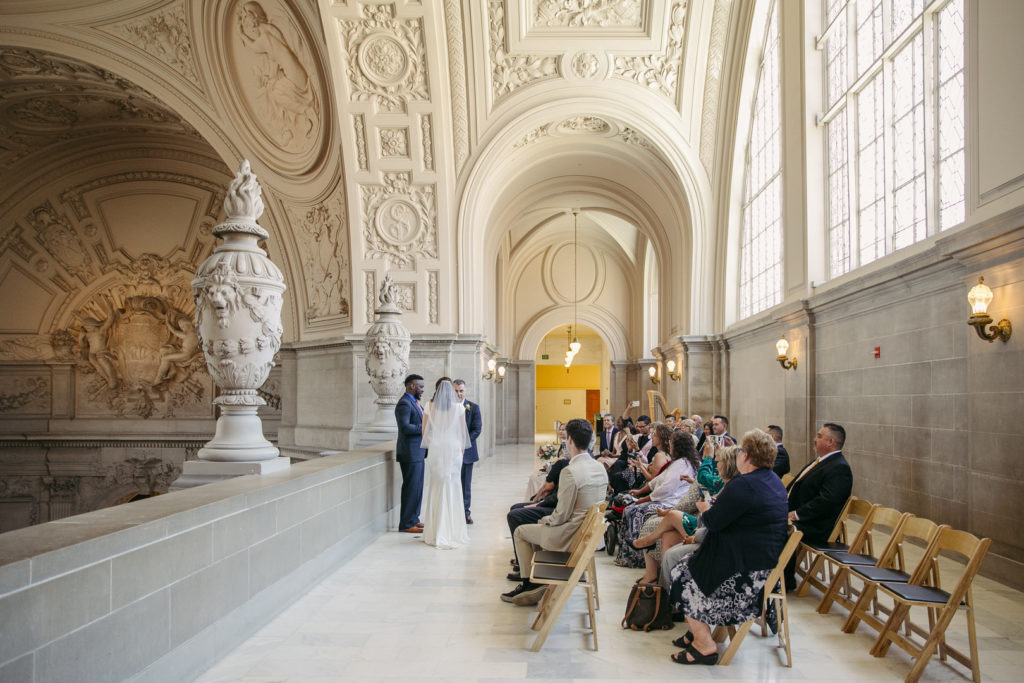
(979, 298)
(491, 366)
(652, 372)
(501, 375)
(787, 363)
(671, 367)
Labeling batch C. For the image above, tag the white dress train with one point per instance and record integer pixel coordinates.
(444, 515)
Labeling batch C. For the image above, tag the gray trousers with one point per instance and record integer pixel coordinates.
(675, 555)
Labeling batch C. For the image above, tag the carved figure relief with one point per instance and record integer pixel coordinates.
(585, 124)
(325, 259)
(26, 348)
(386, 58)
(286, 101)
(24, 394)
(659, 72)
(56, 234)
(400, 220)
(149, 474)
(510, 72)
(394, 142)
(165, 35)
(604, 13)
(585, 64)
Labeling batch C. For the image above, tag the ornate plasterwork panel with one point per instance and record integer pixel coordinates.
(405, 296)
(432, 296)
(587, 124)
(428, 142)
(60, 239)
(165, 35)
(457, 68)
(713, 82)
(271, 70)
(359, 128)
(510, 71)
(400, 220)
(603, 13)
(48, 100)
(324, 250)
(386, 58)
(24, 395)
(658, 71)
(371, 289)
(394, 143)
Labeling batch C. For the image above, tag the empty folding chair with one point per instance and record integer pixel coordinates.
(856, 509)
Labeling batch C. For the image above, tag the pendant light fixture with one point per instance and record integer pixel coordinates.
(574, 342)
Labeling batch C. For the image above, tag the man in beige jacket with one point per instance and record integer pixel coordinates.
(583, 483)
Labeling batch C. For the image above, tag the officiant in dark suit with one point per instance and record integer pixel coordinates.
(819, 492)
(410, 455)
(474, 423)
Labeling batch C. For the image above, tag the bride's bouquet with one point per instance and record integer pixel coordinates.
(548, 451)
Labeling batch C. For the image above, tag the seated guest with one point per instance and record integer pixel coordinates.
(624, 474)
(670, 420)
(674, 534)
(607, 436)
(720, 428)
(699, 421)
(582, 483)
(781, 465)
(690, 427)
(538, 478)
(662, 492)
(542, 505)
(643, 439)
(658, 456)
(624, 430)
(721, 582)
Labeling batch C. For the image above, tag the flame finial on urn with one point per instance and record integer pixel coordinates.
(243, 204)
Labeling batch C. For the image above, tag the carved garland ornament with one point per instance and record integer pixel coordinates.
(659, 72)
(400, 220)
(579, 13)
(324, 253)
(585, 124)
(386, 58)
(512, 71)
(359, 126)
(165, 35)
(24, 391)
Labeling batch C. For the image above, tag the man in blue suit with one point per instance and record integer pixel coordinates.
(474, 423)
(409, 454)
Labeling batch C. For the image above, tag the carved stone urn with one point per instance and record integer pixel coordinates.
(238, 295)
(387, 357)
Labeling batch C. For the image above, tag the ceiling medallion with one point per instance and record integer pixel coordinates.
(384, 60)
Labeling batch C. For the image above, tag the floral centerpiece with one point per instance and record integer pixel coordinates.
(548, 451)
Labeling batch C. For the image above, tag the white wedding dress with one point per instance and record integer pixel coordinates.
(445, 437)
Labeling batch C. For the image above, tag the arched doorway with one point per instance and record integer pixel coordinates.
(561, 393)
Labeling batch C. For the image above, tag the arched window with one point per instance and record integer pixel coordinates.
(761, 228)
(893, 119)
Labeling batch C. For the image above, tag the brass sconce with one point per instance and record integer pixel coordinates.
(652, 372)
(671, 367)
(491, 369)
(787, 363)
(501, 375)
(979, 298)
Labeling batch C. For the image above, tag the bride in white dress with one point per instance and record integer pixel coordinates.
(445, 436)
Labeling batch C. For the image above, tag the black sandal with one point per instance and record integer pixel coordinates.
(698, 658)
(684, 641)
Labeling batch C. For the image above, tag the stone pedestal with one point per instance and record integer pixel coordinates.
(199, 472)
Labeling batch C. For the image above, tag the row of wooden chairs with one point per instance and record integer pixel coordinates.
(847, 556)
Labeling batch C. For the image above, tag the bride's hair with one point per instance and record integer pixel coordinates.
(444, 397)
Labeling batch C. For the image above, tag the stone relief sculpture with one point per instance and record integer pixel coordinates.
(24, 392)
(238, 297)
(603, 13)
(659, 72)
(174, 359)
(166, 36)
(512, 71)
(585, 124)
(387, 355)
(585, 64)
(432, 312)
(400, 220)
(56, 234)
(94, 339)
(26, 348)
(325, 260)
(386, 58)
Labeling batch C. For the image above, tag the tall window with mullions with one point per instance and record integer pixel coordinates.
(893, 119)
(761, 223)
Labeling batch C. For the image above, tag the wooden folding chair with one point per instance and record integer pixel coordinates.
(563, 579)
(774, 591)
(840, 539)
(941, 606)
(894, 570)
(840, 590)
(787, 477)
(561, 557)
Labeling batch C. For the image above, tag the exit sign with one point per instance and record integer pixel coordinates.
(544, 356)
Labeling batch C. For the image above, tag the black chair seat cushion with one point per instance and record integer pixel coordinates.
(852, 559)
(882, 574)
(554, 572)
(915, 593)
(824, 547)
(550, 557)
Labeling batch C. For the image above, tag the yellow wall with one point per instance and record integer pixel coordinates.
(555, 386)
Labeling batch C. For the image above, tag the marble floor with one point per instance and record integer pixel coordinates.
(403, 610)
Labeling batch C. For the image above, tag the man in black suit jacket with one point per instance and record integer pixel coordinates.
(608, 435)
(819, 492)
(475, 424)
(781, 465)
(409, 454)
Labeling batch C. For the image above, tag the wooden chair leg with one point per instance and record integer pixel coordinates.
(591, 598)
(542, 607)
(555, 608)
(867, 596)
(782, 612)
(805, 583)
(593, 582)
(882, 643)
(734, 643)
(925, 654)
(830, 595)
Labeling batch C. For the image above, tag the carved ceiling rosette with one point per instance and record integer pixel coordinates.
(400, 220)
(238, 296)
(274, 79)
(386, 58)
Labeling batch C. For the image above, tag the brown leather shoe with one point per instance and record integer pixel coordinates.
(412, 530)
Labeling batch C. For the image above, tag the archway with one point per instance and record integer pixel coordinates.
(579, 391)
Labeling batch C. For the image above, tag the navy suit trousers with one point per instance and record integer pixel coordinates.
(412, 493)
(467, 484)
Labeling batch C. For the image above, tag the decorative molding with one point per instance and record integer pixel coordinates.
(658, 72)
(585, 65)
(432, 296)
(713, 83)
(510, 72)
(24, 392)
(165, 35)
(371, 294)
(359, 126)
(457, 68)
(588, 13)
(394, 143)
(60, 239)
(13, 241)
(588, 124)
(386, 58)
(400, 220)
(428, 142)
(73, 196)
(324, 250)
(405, 296)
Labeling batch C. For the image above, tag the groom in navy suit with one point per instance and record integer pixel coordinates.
(409, 454)
(474, 424)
